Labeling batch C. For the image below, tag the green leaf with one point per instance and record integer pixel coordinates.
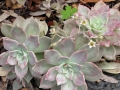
(68, 12)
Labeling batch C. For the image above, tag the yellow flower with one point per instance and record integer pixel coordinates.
(83, 22)
(52, 31)
(92, 44)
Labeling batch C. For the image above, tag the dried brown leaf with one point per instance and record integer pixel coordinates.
(10, 12)
(8, 3)
(3, 73)
(4, 16)
(97, 0)
(109, 79)
(17, 6)
(13, 1)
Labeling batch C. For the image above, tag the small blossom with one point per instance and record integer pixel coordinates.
(52, 31)
(92, 44)
(101, 37)
(83, 22)
(75, 16)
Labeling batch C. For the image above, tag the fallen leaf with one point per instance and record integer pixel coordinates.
(3, 73)
(4, 16)
(13, 1)
(109, 79)
(10, 12)
(24, 89)
(8, 3)
(97, 1)
(17, 6)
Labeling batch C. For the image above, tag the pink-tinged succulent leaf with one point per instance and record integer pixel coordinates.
(32, 42)
(21, 47)
(27, 21)
(61, 79)
(117, 48)
(32, 58)
(55, 38)
(74, 32)
(8, 67)
(56, 88)
(98, 56)
(78, 79)
(99, 5)
(32, 29)
(93, 13)
(91, 72)
(16, 85)
(44, 44)
(6, 30)
(63, 60)
(21, 72)
(83, 10)
(69, 86)
(9, 44)
(69, 25)
(46, 84)
(83, 87)
(19, 21)
(94, 51)
(18, 34)
(79, 57)
(51, 74)
(52, 56)
(76, 67)
(80, 41)
(67, 47)
(104, 42)
(41, 67)
(110, 53)
(3, 58)
(111, 26)
(11, 60)
(11, 75)
(23, 63)
(104, 9)
(33, 73)
(28, 77)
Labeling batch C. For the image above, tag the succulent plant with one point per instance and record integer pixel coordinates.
(64, 67)
(23, 39)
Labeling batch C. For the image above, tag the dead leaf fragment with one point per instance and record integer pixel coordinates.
(4, 16)
(17, 6)
(109, 79)
(3, 73)
(97, 1)
(10, 12)
(8, 3)
(24, 89)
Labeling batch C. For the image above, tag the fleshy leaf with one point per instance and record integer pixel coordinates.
(23, 63)
(16, 85)
(32, 42)
(3, 58)
(91, 72)
(78, 79)
(61, 79)
(11, 60)
(19, 21)
(21, 1)
(41, 67)
(6, 30)
(18, 34)
(21, 47)
(83, 10)
(51, 56)
(51, 74)
(44, 44)
(9, 44)
(21, 72)
(32, 58)
(69, 86)
(32, 29)
(66, 50)
(28, 77)
(94, 51)
(63, 60)
(110, 53)
(56, 88)
(46, 84)
(83, 87)
(79, 57)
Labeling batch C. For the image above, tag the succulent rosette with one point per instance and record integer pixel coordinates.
(21, 48)
(66, 69)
